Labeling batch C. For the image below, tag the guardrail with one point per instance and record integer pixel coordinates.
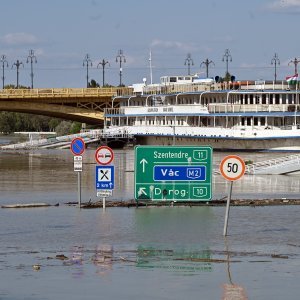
(64, 92)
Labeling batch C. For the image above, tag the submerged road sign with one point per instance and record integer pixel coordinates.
(77, 146)
(105, 177)
(173, 173)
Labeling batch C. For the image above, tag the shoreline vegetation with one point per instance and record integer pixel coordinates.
(133, 203)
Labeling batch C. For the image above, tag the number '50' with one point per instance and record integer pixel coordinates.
(232, 167)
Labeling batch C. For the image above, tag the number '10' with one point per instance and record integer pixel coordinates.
(232, 167)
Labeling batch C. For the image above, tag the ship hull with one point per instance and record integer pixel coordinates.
(224, 144)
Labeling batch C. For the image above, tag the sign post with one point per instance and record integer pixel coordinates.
(173, 173)
(232, 168)
(77, 148)
(105, 173)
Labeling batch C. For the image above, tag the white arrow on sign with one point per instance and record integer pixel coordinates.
(144, 162)
(142, 192)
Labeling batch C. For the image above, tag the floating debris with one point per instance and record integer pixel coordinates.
(36, 267)
(61, 257)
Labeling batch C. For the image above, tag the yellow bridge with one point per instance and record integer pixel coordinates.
(84, 105)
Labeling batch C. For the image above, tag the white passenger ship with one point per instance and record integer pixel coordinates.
(184, 110)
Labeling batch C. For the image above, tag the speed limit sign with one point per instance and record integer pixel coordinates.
(232, 167)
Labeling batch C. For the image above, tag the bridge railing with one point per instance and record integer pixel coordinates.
(65, 92)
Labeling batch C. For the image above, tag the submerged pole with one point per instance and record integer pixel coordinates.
(227, 209)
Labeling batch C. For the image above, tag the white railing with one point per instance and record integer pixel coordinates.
(281, 165)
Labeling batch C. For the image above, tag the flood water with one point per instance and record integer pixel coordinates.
(146, 253)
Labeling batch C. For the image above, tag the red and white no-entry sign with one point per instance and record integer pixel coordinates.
(232, 167)
(104, 155)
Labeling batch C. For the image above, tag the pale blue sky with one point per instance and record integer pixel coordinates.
(62, 32)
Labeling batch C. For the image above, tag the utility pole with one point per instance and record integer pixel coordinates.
(275, 60)
(121, 59)
(206, 63)
(4, 63)
(227, 57)
(31, 57)
(17, 64)
(188, 61)
(295, 62)
(87, 62)
(103, 64)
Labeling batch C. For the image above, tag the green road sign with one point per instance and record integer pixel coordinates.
(170, 173)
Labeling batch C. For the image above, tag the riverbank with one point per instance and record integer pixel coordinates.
(221, 202)
(133, 203)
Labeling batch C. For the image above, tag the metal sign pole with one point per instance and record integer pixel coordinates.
(227, 208)
(79, 188)
(103, 203)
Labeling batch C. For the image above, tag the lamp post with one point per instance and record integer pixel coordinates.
(206, 63)
(121, 59)
(103, 64)
(4, 63)
(227, 57)
(32, 58)
(17, 64)
(275, 60)
(295, 62)
(188, 61)
(87, 62)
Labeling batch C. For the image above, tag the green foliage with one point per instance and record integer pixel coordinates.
(227, 77)
(12, 122)
(93, 84)
(75, 127)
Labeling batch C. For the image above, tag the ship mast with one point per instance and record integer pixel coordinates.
(150, 65)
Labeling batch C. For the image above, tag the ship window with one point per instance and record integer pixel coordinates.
(264, 98)
(173, 79)
(277, 99)
(271, 99)
(251, 99)
(262, 121)
(255, 121)
(180, 78)
(283, 98)
(187, 78)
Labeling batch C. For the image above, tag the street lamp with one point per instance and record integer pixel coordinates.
(207, 63)
(227, 57)
(17, 64)
(4, 63)
(275, 60)
(103, 64)
(295, 62)
(188, 61)
(31, 57)
(87, 62)
(120, 58)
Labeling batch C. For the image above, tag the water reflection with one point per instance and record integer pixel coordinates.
(232, 290)
(103, 259)
(174, 260)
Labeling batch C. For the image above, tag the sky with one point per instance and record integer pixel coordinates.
(62, 32)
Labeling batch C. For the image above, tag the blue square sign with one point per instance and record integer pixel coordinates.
(105, 177)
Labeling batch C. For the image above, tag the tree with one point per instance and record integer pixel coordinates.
(93, 84)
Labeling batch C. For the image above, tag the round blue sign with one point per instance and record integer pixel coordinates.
(77, 146)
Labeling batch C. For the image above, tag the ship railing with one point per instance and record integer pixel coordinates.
(114, 111)
(177, 88)
(280, 165)
(236, 108)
